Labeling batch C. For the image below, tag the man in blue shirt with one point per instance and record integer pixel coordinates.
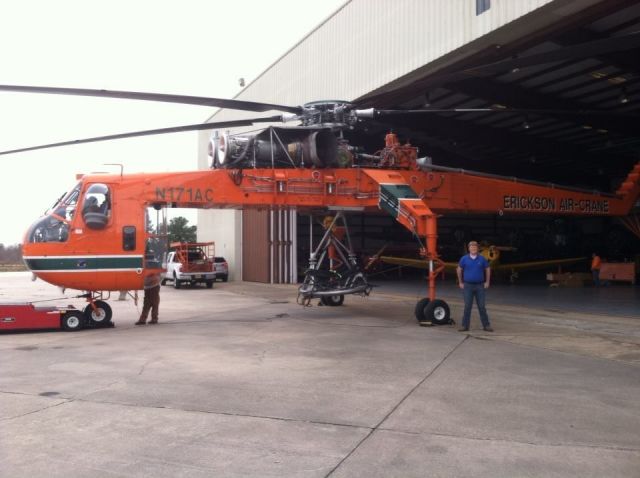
(474, 276)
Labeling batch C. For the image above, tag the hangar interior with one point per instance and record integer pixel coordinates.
(571, 67)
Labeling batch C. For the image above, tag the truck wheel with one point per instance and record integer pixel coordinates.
(72, 320)
(163, 282)
(209, 284)
(225, 278)
(437, 312)
(176, 282)
(101, 315)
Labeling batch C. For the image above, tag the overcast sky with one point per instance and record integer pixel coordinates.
(191, 47)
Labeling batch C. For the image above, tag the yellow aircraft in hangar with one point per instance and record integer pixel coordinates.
(492, 253)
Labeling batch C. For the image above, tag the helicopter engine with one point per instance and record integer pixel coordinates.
(280, 148)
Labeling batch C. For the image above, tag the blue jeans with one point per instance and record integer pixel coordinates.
(477, 291)
(596, 277)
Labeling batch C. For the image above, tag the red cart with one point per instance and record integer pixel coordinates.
(26, 316)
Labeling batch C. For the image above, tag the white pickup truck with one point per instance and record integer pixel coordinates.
(189, 264)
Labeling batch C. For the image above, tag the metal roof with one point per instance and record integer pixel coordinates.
(582, 78)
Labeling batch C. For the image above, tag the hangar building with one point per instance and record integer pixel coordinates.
(573, 65)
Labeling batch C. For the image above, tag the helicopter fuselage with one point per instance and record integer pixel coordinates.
(109, 232)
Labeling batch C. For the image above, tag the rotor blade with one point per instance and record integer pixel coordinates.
(133, 95)
(374, 113)
(150, 132)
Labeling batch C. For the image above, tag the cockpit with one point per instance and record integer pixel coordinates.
(55, 224)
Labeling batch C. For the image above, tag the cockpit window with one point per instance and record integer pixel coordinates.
(66, 206)
(54, 226)
(96, 208)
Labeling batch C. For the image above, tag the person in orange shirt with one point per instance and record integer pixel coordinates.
(596, 262)
(337, 234)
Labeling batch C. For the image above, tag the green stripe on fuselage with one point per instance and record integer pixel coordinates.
(83, 263)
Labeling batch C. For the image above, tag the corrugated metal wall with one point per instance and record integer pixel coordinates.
(369, 43)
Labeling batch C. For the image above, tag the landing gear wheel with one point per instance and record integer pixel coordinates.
(176, 283)
(209, 284)
(72, 320)
(419, 311)
(332, 300)
(101, 315)
(438, 312)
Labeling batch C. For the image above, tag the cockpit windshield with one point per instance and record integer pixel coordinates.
(67, 203)
(54, 226)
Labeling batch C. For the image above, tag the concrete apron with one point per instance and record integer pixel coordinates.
(241, 381)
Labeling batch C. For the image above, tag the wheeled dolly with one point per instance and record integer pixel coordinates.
(27, 316)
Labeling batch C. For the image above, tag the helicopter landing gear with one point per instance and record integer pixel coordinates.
(333, 269)
(98, 313)
(433, 312)
(419, 310)
(332, 300)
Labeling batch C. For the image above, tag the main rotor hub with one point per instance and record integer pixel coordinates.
(328, 113)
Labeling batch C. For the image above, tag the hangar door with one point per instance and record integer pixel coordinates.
(269, 246)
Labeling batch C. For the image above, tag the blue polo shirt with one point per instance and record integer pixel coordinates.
(473, 269)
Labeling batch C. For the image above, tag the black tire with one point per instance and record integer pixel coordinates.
(73, 320)
(332, 300)
(101, 315)
(437, 312)
(163, 282)
(225, 278)
(419, 310)
(209, 284)
(176, 283)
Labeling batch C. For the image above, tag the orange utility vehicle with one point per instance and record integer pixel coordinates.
(191, 263)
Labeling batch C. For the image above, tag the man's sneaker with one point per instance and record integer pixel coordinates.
(488, 329)
(463, 329)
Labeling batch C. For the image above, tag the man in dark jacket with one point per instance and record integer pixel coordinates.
(151, 299)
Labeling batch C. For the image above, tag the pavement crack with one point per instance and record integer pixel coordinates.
(402, 400)
(520, 442)
(64, 402)
(143, 367)
(227, 414)
(322, 321)
(106, 387)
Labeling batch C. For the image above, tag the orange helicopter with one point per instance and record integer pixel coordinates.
(109, 231)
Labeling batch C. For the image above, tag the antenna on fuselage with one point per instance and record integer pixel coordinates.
(116, 164)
